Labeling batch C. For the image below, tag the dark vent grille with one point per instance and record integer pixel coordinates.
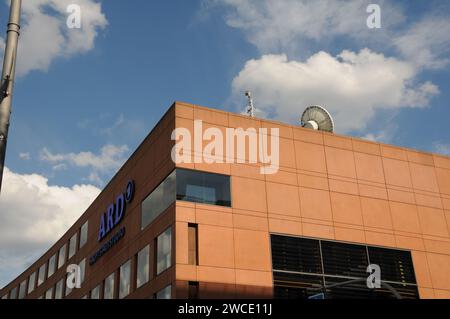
(296, 254)
(395, 265)
(344, 259)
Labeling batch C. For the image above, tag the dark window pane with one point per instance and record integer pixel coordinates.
(296, 254)
(296, 286)
(344, 259)
(201, 187)
(396, 265)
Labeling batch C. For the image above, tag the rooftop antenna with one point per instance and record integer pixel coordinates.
(317, 118)
(250, 108)
(7, 79)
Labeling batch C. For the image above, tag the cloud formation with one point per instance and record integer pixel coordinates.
(45, 35)
(351, 85)
(109, 159)
(34, 214)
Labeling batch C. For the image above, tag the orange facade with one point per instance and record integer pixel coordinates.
(328, 187)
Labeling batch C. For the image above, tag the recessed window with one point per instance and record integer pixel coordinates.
(165, 293)
(31, 282)
(202, 187)
(125, 279)
(158, 200)
(49, 293)
(108, 292)
(62, 256)
(22, 289)
(143, 263)
(164, 251)
(51, 265)
(192, 244)
(68, 289)
(5, 296)
(193, 290)
(72, 246)
(95, 293)
(59, 289)
(41, 277)
(84, 234)
(82, 266)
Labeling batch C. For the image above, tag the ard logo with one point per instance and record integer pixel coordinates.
(115, 212)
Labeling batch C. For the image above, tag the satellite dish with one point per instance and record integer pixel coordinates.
(317, 118)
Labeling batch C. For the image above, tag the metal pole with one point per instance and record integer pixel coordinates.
(7, 80)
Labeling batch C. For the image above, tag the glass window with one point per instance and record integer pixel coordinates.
(49, 293)
(59, 289)
(22, 289)
(51, 265)
(72, 246)
(42, 271)
(83, 234)
(164, 251)
(5, 296)
(158, 200)
(143, 263)
(95, 293)
(13, 294)
(82, 266)
(165, 293)
(125, 279)
(84, 297)
(202, 187)
(31, 282)
(62, 256)
(108, 292)
(68, 289)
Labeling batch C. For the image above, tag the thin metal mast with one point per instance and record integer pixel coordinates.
(7, 79)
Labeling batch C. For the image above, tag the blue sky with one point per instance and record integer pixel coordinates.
(85, 98)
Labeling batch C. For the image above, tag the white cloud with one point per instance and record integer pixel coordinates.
(33, 216)
(25, 156)
(45, 35)
(110, 158)
(351, 85)
(286, 25)
(426, 43)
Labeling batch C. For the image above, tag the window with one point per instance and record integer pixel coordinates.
(49, 293)
(143, 263)
(164, 251)
(84, 297)
(68, 289)
(51, 265)
(193, 290)
(95, 293)
(192, 244)
(108, 292)
(82, 266)
(72, 246)
(31, 282)
(125, 279)
(41, 277)
(84, 234)
(304, 267)
(201, 187)
(5, 296)
(22, 289)
(59, 289)
(62, 256)
(158, 200)
(165, 293)
(13, 293)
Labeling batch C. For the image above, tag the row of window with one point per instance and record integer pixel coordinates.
(107, 288)
(54, 263)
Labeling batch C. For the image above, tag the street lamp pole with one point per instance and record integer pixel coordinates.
(7, 79)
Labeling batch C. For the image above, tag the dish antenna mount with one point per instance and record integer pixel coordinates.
(317, 118)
